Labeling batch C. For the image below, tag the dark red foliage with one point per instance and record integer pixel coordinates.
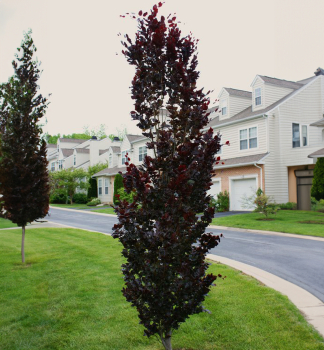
(164, 239)
(23, 165)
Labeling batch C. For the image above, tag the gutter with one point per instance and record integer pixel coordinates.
(261, 180)
(236, 165)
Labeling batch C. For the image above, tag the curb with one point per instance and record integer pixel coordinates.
(311, 307)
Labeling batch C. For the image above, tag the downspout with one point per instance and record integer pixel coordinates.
(261, 181)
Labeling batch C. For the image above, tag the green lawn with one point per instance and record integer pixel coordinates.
(4, 223)
(71, 206)
(105, 211)
(67, 296)
(289, 221)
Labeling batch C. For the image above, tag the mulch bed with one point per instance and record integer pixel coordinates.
(265, 219)
(312, 222)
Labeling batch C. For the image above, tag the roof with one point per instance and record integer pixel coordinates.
(72, 140)
(67, 152)
(110, 171)
(133, 138)
(82, 150)
(317, 154)
(115, 149)
(102, 151)
(239, 93)
(51, 145)
(318, 123)
(255, 158)
(80, 165)
(246, 113)
(280, 82)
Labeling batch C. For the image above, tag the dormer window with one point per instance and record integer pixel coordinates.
(74, 160)
(257, 96)
(124, 157)
(224, 107)
(110, 160)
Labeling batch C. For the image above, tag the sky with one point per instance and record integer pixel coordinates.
(77, 43)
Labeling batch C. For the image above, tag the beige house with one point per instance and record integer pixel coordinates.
(276, 133)
(77, 153)
(135, 147)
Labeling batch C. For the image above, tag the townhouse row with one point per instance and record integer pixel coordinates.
(275, 131)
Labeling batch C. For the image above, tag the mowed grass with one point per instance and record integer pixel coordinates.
(71, 206)
(105, 211)
(288, 221)
(68, 296)
(4, 223)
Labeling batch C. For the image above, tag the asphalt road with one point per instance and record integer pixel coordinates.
(296, 260)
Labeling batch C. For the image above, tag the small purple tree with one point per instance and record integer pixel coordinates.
(164, 239)
(24, 183)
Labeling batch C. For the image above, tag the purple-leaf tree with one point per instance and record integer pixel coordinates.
(164, 239)
(24, 184)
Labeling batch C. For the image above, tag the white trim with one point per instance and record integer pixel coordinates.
(248, 139)
(254, 80)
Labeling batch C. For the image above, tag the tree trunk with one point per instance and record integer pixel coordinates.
(23, 245)
(167, 340)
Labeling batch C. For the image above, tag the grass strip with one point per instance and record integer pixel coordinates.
(68, 296)
(288, 221)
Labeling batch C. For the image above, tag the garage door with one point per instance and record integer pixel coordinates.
(240, 190)
(215, 189)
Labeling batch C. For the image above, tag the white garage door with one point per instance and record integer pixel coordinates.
(241, 189)
(215, 189)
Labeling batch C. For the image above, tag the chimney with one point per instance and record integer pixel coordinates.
(94, 138)
(319, 71)
(116, 139)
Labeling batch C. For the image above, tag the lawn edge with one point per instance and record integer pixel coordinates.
(311, 307)
(274, 233)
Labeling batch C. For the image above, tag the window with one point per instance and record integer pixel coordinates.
(106, 186)
(257, 96)
(249, 138)
(74, 159)
(53, 166)
(224, 107)
(142, 152)
(299, 135)
(124, 157)
(100, 187)
(60, 162)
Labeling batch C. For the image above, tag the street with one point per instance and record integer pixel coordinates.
(297, 260)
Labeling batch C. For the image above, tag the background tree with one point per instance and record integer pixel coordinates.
(118, 184)
(23, 165)
(68, 181)
(164, 240)
(317, 190)
(93, 190)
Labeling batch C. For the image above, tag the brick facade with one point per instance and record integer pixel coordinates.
(225, 173)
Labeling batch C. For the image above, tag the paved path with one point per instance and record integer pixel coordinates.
(296, 259)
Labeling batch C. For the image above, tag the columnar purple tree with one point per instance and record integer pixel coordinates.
(164, 239)
(24, 184)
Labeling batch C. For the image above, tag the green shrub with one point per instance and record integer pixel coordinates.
(129, 197)
(221, 203)
(94, 202)
(288, 206)
(317, 190)
(118, 183)
(92, 190)
(263, 206)
(80, 198)
(58, 197)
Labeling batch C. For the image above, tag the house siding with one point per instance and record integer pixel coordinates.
(238, 104)
(231, 133)
(273, 93)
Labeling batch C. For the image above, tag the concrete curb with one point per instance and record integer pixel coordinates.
(80, 211)
(310, 306)
(273, 233)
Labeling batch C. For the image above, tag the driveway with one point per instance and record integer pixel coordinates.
(296, 260)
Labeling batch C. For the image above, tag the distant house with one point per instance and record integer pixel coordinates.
(276, 133)
(135, 147)
(77, 153)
